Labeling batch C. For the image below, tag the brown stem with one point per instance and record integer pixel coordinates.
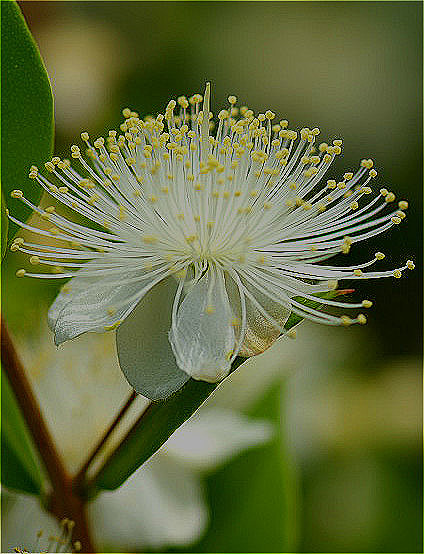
(80, 476)
(133, 428)
(64, 502)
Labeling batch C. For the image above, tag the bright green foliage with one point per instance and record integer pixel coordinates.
(21, 469)
(26, 109)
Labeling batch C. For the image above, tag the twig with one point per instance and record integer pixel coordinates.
(81, 475)
(64, 502)
(129, 433)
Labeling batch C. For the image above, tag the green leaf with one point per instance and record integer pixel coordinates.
(20, 467)
(26, 109)
(253, 498)
(4, 226)
(161, 419)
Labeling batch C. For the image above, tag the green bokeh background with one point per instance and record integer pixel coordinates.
(354, 69)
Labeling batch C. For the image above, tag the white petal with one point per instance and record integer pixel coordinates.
(96, 303)
(144, 352)
(160, 505)
(262, 331)
(202, 336)
(22, 517)
(213, 436)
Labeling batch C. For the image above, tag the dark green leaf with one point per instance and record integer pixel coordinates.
(161, 420)
(4, 226)
(20, 467)
(26, 109)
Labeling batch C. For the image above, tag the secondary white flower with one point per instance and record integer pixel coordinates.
(236, 225)
(163, 503)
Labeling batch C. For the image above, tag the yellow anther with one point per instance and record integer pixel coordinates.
(232, 99)
(20, 273)
(357, 272)
(403, 205)
(397, 273)
(390, 197)
(341, 185)
(34, 260)
(401, 214)
(49, 166)
(373, 173)
(410, 264)
(396, 220)
(210, 310)
(337, 150)
(17, 193)
(354, 205)
(345, 320)
(384, 192)
(361, 319)
(311, 171)
(366, 303)
(379, 255)
(331, 184)
(348, 176)
(366, 190)
(269, 115)
(337, 142)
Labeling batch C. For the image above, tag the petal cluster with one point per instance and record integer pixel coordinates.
(236, 212)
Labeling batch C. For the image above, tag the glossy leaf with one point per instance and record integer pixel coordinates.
(26, 109)
(20, 467)
(161, 419)
(4, 226)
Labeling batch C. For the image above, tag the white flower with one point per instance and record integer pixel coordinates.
(235, 225)
(163, 503)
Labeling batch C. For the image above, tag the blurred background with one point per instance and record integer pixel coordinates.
(352, 397)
